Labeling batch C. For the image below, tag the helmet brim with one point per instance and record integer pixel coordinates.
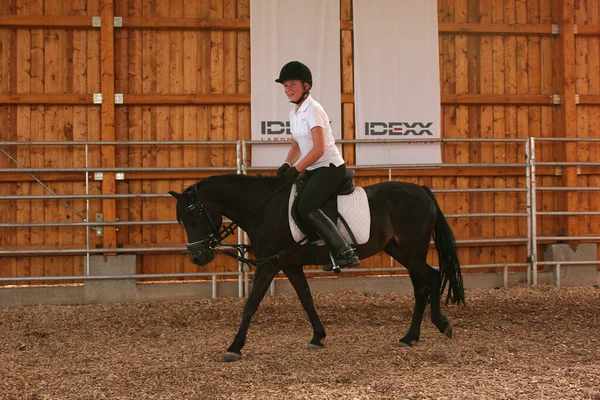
(292, 78)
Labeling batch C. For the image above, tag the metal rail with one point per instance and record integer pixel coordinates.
(531, 214)
(558, 264)
(535, 213)
(525, 165)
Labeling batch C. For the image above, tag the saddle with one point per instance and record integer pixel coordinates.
(330, 207)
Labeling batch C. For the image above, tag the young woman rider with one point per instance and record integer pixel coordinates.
(314, 154)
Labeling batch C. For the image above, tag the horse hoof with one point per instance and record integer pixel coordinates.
(448, 331)
(231, 357)
(404, 342)
(312, 346)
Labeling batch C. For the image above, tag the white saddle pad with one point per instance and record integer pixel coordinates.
(353, 207)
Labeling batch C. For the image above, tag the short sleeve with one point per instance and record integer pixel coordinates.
(317, 117)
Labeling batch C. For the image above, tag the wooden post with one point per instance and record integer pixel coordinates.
(107, 72)
(565, 117)
(347, 58)
(473, 122)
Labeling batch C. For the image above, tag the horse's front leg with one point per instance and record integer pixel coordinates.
(262, 279)
(297, 278)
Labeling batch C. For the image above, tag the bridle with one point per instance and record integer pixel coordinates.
(214, 237)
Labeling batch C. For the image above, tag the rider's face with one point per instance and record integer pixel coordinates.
(293, 89)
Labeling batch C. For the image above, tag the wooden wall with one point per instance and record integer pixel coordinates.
(587, 86)
(183, 68)
(43, 64)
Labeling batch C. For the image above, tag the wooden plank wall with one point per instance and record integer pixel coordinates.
(183, 67)
(587, 85)
(172, 62)
(41, 63)
(509, 65)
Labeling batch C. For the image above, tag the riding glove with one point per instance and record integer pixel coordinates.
(284, 167)
(290, 175)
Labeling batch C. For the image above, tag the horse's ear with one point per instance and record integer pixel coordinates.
(175, 194)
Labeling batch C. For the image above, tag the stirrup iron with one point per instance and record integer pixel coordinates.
(334, 265)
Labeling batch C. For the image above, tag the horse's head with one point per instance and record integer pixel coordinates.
(201, 219)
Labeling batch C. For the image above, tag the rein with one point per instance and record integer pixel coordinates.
(242, 249)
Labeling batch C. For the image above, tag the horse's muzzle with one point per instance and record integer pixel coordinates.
(202, 257)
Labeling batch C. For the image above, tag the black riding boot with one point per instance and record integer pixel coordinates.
(342, 252)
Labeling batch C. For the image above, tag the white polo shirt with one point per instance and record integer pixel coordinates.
(302, 120)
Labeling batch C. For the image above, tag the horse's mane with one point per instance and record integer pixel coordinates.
(244, 182)
(235, 179)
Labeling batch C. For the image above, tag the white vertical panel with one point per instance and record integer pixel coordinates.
(285, 30)
(397, 80)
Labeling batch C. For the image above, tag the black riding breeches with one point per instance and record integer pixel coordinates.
(322, 183)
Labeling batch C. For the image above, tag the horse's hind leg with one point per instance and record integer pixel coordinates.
(421, 292)
(262, 279)
(438, 319)
(297, 278)
(422, 289)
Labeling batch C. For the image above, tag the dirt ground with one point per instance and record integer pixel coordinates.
(517, 343)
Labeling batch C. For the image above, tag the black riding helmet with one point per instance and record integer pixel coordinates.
(295, 70)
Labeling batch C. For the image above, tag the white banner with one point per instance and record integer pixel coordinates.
(290, 30)
(396, 80)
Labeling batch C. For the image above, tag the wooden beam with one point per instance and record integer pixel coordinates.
(589, 99)
(467, 28)
(243, 24)
(495, 29)
(588, 30)
(565, 116)
(476, 99)
(46, 98)
(107, 130)
(244, 98)
(347, 97)
(164, 99)
(473, 99)
(46, 21)
(186, 23)
(141, 99)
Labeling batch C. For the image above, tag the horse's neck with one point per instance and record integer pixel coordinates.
(241, 204)
(232, 207)
(259, 208)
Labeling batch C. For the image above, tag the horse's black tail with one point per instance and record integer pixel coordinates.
(446, 248)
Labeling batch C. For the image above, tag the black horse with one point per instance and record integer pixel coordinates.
(404, 216)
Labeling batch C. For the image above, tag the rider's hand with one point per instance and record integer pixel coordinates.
(284, 167)
(290, 175)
